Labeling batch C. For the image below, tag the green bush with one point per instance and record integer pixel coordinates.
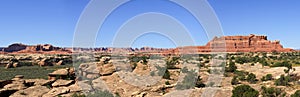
(272, 92)
(234, 80)
(283, 81)
(241, 60)
(251, 78)
(231, 67)
(167, 74)
(167, 83)
(244, 91)
(267, 77)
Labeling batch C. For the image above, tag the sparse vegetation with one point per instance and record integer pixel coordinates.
(272, 92)
(283, 81)
(251, 78)
(244, 91)
(267, 77)
(231, 67)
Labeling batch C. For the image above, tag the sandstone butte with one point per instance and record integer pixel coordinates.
(250, 43)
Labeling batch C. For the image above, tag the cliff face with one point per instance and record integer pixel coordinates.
(251, 43)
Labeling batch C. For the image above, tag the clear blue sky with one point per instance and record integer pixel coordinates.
(54, 21)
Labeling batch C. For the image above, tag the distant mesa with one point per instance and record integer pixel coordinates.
(22, 48)
(250, 43)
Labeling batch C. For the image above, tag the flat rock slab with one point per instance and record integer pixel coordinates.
(41, 82)
(61, 82)
(35, 91)
(57, 91)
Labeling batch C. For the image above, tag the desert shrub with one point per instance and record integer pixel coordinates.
(296, 94)
(172, 62)
(241, 60)
(241, 75)
(244, 91)
(162, 71)
(167, 83)
(283, 81)
(264, 63)
(234, 80)
(277, 64)
(231, 67)
(167, 74)
(251, 78)
(272, 92)
(136, 59)
(267, 77)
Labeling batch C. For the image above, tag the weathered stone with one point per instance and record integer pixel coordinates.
(9, 65)
(60, 74)
(35, 91)
(107, 69)
(61, 82)
(18, 77)
(15, 65)
(44, 62)
(57, 91)
(60, 62)
(41, 82)
(88, 70)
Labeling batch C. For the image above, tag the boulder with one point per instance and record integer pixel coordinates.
(107, 69)
(60, 62)
(15, 65)
(60, 72)
(9, 65)
(44, 62)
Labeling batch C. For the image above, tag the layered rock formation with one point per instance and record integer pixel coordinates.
(251, 43)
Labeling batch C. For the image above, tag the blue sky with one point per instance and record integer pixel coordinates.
(54, 21)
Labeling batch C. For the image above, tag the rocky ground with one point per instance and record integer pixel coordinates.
(139, 76)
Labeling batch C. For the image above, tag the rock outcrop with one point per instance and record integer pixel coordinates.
(22, 48)
(251, 43)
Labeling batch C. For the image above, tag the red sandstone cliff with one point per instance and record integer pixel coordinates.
(251, 43)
